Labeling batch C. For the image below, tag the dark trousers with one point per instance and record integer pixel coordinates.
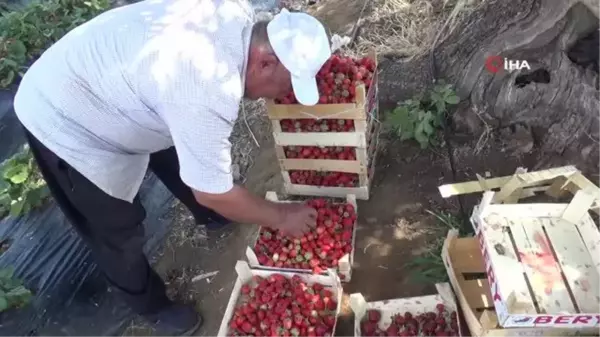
(111, 227)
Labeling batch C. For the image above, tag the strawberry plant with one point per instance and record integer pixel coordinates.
(281, 306)
(22, 187)
(12, 292)
(419, 118)
(26, 32)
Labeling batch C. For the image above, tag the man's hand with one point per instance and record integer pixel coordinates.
(242, 206)
(297, 219)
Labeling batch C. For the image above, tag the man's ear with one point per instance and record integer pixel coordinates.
(269, 61)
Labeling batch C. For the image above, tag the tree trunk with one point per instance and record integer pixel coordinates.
(556, 102)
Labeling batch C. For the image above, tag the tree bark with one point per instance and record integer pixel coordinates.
(561, 115)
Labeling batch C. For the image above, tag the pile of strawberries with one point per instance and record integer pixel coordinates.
(338, 78)
(278, 306)
(320, 152)
(440, 323)
(318, 250)
(317, 125)
(328, 179)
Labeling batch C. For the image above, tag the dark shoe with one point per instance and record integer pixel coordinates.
(175, 320)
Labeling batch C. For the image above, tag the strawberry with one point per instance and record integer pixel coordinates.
(337, 80)
(283, 307)
(373, 315)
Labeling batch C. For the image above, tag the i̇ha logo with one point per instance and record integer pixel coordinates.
(495, 64)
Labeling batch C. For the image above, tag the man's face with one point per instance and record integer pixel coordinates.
(266, 77)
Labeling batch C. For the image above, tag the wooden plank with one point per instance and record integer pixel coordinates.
(353, 139)
(557, 188)
(590, 236)
(579, 206)
(543, 271)
(320, 111)
(361, 193)
(474, 186)
(348, 166)
(576, 263)
(514, 197)
(513, 184)
(517, 211)
(508, 271)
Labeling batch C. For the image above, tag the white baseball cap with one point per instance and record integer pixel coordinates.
(301, 44)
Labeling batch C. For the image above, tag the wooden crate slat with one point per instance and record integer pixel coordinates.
(353, 139)
(361, 193)
(324, 111)
(509, 275)
(320, 111)
(591, 238)
(474, 186)
(576, 263)
(543, 272)
(347, 166)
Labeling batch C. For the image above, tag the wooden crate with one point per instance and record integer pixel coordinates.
(345, 263)
(245, 273)
(555, 182)
(542, 261)
(467, 273)
(414, 305)
(364, 113)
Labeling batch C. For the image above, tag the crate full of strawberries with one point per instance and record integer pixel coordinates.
(327, 149)
(328, 246)
(271, 303)
(433, 315)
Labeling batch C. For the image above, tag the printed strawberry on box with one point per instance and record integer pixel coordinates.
(329, 149)
(273, 303)
(433, 315)
(542, 262)
(328, 246)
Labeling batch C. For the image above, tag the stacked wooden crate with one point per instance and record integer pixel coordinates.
(533, 268)
(313, 130)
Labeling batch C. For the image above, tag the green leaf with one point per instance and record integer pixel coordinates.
(6, 273)
(440, 106)
(17, 207)
(10, 76)
(17, 174)
(17, 50)
(19, 291)
(3, 304)
(452, 99)
(428, 129)
(436, 97)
